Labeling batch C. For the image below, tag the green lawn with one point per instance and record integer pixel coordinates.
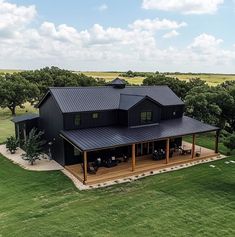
(208, 140)
(197, 201)
(6, 126)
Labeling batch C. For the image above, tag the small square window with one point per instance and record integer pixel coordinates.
(77, 120)
(95, 115)
(146, 117)
(174, 113)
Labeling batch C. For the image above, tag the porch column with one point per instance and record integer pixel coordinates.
(167, 150)
(217, 141)
(84, 167)
(133, 157)
(193, 146)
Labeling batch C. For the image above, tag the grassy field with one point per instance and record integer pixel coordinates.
(109, 76)
(208, 140)
(6, 126)
(197, 201)
(211, 79)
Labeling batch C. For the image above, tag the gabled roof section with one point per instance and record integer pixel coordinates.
(128, 101)
(117, 83)
(81, 99)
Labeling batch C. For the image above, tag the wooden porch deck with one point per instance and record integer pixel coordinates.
(143, 164)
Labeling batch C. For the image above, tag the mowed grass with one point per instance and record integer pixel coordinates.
(6, 126)
(197, 201)
(208, 140)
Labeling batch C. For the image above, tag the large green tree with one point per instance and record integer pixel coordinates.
(56, 77)
(15, 91)
(200, 104)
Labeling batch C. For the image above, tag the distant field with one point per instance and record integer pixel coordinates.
(109, 76)
(211, 79)
(9, 71)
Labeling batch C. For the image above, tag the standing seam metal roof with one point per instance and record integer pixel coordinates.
(81, 99)
(105, 137)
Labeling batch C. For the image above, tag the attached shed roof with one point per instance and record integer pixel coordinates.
(25, 117)
(80, 99)
(105, 137)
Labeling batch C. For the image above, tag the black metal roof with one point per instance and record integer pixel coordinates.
(117, 81)
(105, 137)
(25, 117)
(127, 101)
(80, 99)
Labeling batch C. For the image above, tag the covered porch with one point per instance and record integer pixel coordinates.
(141, 164)
(142, 143)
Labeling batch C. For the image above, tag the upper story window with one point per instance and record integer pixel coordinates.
(77, 120)
(146, 116)
(95, 115)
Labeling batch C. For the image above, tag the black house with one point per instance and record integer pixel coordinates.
(83, 123)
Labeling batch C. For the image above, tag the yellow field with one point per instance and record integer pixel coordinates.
(211, 79)
(109, 76)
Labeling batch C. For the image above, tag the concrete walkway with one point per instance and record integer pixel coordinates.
(40, 165)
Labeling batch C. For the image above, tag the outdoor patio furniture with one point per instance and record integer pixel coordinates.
(111, 162)
(125, 158)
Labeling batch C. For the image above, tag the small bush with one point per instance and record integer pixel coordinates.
(12, 144)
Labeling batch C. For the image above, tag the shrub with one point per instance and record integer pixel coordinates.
(33, 146)
(12, 144)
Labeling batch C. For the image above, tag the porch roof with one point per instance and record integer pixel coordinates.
(106, 137)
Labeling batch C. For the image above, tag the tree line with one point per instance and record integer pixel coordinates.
(211, 104)
(29, 86)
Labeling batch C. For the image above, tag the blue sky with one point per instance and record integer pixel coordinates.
(142, 35)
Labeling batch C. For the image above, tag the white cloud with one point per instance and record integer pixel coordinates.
(156, 24)
(184, 6)
(135, 46)
(13, 18)
(171, 34)
(205, 43)
(103, 7)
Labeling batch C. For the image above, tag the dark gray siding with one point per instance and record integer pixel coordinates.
(51, 122)
(145, 105)
(172, 112)
(70, 157)
(105, 118)
(123, 117)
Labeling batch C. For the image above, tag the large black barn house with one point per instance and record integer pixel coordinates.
(106, 121)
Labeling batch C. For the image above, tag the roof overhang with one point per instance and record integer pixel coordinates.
(25, 117)
(107, 137)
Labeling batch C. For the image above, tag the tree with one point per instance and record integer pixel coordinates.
(56, 77)
(229, 141)
(201, 104)
(15, 91)
(180, 87)
(33, 146)
(12, 144)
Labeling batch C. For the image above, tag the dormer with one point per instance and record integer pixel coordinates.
(117, 83)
